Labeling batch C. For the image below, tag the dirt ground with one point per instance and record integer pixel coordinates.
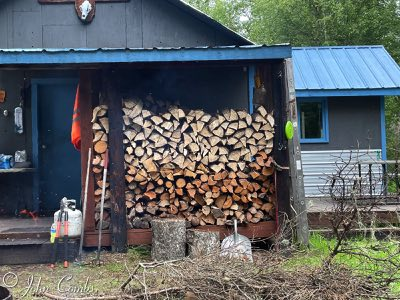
(80, 279)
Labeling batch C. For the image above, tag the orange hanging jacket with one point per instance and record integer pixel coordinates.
(76, 123)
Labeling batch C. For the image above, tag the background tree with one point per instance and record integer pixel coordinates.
(231, 13)
(317, 23)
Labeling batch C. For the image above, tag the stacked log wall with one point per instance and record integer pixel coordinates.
(205, 168)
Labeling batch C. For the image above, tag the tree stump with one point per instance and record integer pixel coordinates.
(169, 239)
(202, 243)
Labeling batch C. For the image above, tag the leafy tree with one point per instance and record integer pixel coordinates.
(318, 23)
(311, 22)
(232, 13)
(327, 22)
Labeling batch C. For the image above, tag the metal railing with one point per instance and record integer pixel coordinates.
(364, 178)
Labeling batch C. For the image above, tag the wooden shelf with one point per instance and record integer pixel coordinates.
(17, 170)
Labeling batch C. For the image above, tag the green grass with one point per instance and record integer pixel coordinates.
(320, 248)
(105, 279)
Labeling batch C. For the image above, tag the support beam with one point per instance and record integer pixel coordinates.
(296, 171)
(86, 107)
(116, 166)
(280, 152)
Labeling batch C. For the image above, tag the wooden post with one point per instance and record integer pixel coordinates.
(85, 107)
(117, 170)
(297, 196)
(280, 152)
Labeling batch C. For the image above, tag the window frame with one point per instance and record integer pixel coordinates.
(325, 120)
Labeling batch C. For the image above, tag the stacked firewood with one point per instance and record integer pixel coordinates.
(190, 164)
(100, 144)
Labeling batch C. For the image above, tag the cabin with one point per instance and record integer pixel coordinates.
(127, 57)
(341, 94)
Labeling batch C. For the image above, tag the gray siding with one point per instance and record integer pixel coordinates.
(354, 130)
(135, 24)
(319, 166)
(354, 123)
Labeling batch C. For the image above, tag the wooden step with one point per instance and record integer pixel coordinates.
(24, 235)
(34, 251)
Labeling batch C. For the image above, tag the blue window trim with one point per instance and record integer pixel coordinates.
(325, 120)
(251, 73)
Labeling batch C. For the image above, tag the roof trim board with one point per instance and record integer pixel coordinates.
(344, 71)
(100, 56)
(346, 93)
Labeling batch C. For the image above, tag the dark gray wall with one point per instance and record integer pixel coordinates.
(135, 24)
(354, 123)
(12, 82)
(16, 189)
(206, 88)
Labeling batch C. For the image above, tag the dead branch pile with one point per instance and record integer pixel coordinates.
(213, 277)
(190, 164)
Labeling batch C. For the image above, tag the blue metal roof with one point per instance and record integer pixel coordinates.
(18, 57)
(345, 71)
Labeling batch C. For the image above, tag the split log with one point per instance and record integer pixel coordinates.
(204, 168)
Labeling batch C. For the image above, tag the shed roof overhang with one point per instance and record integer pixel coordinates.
(76, 57)
(342, 71)
(348, 93)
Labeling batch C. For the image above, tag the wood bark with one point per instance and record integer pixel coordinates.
(169, 239)
(116, 166)
(202, 243)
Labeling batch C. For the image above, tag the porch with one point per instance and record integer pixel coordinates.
(227, 79)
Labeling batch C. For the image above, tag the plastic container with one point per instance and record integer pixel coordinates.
(6, 161)
(53, 233)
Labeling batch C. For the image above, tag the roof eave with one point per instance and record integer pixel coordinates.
(251, 53)
(395, 91)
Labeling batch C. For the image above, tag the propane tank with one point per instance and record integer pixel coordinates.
(74, 218)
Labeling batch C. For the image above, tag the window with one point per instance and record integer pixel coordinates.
(313, 120)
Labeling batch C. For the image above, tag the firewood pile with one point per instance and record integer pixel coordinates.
(190, 164)
(100, 145)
